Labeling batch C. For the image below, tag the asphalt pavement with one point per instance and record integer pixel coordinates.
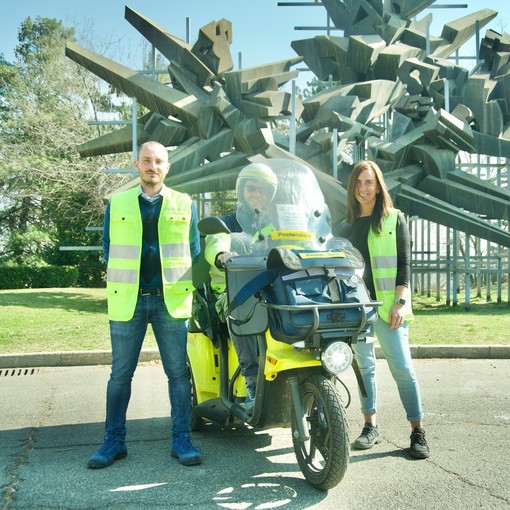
(52, 421)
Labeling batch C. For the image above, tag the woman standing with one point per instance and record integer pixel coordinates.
(380, 233)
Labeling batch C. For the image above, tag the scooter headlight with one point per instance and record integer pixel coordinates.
(337, 357)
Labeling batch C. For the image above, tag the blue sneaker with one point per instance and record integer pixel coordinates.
(183, 449)
(113, 448)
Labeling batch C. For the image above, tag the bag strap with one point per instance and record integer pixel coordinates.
(359, 377)
(332, 278)
(252, 287)
(268, 276)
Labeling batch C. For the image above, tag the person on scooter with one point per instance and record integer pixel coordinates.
(255, 189)
(380, 233)
(150, 239)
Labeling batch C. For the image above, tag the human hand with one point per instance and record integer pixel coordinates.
(397, 316)
(223, 257)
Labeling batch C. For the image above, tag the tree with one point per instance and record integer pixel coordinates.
(49, 193)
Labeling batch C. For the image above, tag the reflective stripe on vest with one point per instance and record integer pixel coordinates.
(383, 258)
(123, 274)
(176, 273)
(383, 261)
(124, 251)
(173, 250)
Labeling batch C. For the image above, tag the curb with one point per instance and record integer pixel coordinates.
(90, 358)
(67, 358)
(457, 351)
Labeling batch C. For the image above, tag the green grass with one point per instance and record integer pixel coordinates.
(486, 323)
(48, 320)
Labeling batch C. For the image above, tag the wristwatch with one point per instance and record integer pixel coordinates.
(400, 301)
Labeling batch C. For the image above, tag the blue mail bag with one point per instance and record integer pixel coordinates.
(317, 294)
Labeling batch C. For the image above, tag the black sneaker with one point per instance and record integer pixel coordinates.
(368, 437)
(419, 447)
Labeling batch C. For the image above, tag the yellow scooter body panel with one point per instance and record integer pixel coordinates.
(281, 357)
(205, 358)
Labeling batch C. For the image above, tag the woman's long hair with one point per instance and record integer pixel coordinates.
(383, 201)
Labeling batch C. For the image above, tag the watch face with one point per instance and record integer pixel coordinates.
(400, 301)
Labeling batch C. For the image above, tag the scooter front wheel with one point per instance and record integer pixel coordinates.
(323, 458)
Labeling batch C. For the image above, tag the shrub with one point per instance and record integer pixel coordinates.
(22, 277)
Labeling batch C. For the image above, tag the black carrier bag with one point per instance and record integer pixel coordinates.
(316, 294)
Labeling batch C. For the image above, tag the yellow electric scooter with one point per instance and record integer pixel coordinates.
(298, 290)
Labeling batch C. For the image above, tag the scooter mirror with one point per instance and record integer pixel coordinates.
(342, 230)
(212, 225)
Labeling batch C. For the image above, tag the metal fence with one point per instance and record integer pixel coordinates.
(446, 262)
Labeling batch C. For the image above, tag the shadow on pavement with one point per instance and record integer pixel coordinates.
(46, 468)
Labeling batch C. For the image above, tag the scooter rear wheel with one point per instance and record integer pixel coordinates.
(324, 457)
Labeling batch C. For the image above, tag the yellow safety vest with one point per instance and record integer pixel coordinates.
(123, 273)
(214, 244)
(383, 257)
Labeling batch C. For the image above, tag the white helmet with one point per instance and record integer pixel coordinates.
(259, 172)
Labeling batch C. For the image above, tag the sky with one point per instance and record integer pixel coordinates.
(262, 30)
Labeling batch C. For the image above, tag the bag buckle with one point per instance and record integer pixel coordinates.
(330, 272)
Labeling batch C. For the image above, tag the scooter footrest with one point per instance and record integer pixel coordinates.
(213, 410)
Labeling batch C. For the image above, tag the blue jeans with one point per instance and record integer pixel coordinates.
(395, 346)
(127, 339)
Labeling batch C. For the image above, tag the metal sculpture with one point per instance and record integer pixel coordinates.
(218, 119)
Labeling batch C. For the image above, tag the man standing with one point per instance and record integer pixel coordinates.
(150, 240)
